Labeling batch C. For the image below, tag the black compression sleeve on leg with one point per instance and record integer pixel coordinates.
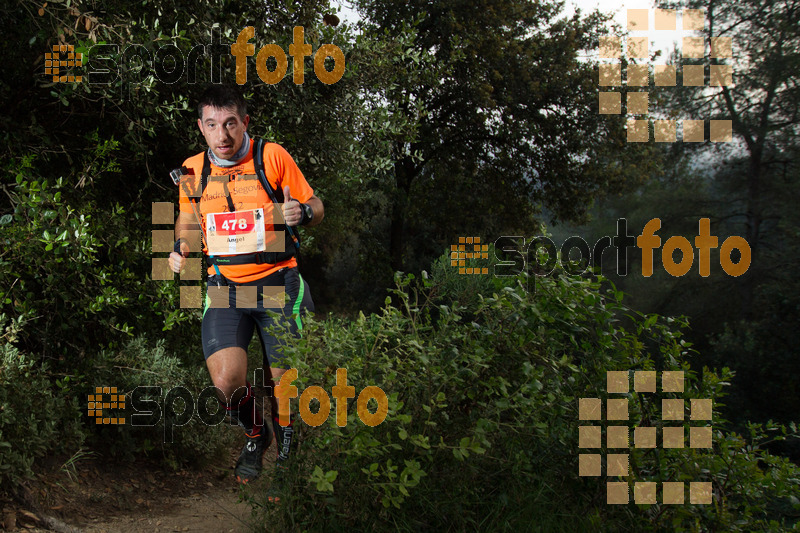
(247, 414)
(284, 437)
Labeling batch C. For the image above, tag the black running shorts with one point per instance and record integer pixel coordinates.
(233, 325)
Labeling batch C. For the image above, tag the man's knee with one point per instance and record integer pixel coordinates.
(228, 371)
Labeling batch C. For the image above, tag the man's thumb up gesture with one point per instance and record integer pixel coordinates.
(292, 212)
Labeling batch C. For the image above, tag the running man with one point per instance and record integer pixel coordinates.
(249, 239)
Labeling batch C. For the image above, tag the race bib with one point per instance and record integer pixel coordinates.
(240, 232)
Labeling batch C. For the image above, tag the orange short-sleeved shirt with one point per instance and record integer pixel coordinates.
(246, 193)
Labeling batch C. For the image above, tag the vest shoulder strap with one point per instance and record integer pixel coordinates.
(258, 163)
(205, 173)
(276, 195)
(204, 181)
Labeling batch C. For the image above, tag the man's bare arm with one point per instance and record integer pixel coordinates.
(319, 210)
(185, 223)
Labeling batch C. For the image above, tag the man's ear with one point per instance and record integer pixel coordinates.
(246, 121)
(200, 125)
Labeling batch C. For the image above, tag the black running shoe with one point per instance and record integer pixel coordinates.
(248, 467)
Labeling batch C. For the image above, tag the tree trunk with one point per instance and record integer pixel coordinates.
(405, 172)
(754, 218)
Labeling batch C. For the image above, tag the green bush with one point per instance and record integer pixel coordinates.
(482, 425)
(43, 413)
(75, 262)
(140, 363)
(38, 416)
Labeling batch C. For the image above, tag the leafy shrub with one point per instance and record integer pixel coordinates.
(142, 364)
(42, 413)
(37, 419)
(73, 263)
(482, 424)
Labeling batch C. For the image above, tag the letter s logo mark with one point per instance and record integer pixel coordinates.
(101, 55)
(148, 411)
(508, 251)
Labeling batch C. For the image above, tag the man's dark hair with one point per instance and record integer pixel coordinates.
(222, 96)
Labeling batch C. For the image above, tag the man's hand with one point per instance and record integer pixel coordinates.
(178, 260)
(292, 212)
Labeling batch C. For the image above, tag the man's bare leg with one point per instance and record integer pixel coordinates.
(228, 370)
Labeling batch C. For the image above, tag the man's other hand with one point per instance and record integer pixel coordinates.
(292, 212)
(178, 260)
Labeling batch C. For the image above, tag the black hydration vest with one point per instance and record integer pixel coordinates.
(292, 244)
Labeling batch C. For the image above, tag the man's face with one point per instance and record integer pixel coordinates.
(223, 129)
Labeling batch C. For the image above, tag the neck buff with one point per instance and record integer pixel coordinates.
(235, 158)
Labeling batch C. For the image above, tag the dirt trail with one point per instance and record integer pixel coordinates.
(215, 510)
(124, 498)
